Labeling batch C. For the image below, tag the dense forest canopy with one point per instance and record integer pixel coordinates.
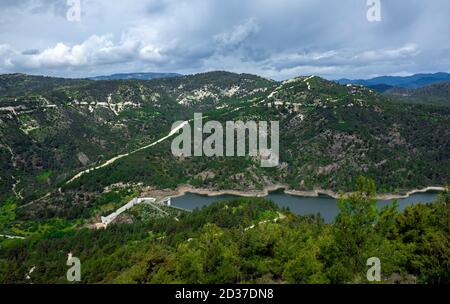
(248, 240)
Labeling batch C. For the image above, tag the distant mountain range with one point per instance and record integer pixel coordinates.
(137, 76)
(384, 83)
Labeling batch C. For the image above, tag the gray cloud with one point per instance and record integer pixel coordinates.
(31, 52)
(273, 38)
(56, 7)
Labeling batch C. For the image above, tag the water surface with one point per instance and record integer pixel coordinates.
(323, 205)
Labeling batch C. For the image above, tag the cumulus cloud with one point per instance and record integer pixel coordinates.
(237, 35)
(277, 39)
(96, 50)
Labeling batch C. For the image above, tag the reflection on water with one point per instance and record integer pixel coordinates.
(324, 205)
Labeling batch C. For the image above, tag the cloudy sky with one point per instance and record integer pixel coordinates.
(278, 39)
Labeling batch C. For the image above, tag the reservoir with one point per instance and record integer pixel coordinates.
(325, 206)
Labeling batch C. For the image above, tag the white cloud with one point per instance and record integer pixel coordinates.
(101, 50)
(408, 50)
(95, 50)
(273, 38)
(151, 53)
(237, 35)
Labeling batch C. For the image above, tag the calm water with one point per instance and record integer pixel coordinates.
(324, 205)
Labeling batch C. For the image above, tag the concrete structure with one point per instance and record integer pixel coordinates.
(11, 237)
(167, 202)
(106, 220)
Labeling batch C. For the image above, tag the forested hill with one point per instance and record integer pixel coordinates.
(246, 241)
(436, 94)
(53, 128)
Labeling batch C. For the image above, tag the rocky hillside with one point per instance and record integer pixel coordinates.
(51, 129)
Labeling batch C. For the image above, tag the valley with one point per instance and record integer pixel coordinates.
(66, 140)
(76, 152)
(220, 151)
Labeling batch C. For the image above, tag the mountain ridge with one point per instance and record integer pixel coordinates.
(58, 127)
(411, 82)
(135, 76)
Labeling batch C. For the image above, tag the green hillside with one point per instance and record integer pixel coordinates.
(246, 241)
(51, 129)
(436, 94)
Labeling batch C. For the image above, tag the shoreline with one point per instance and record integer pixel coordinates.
(183, 190)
